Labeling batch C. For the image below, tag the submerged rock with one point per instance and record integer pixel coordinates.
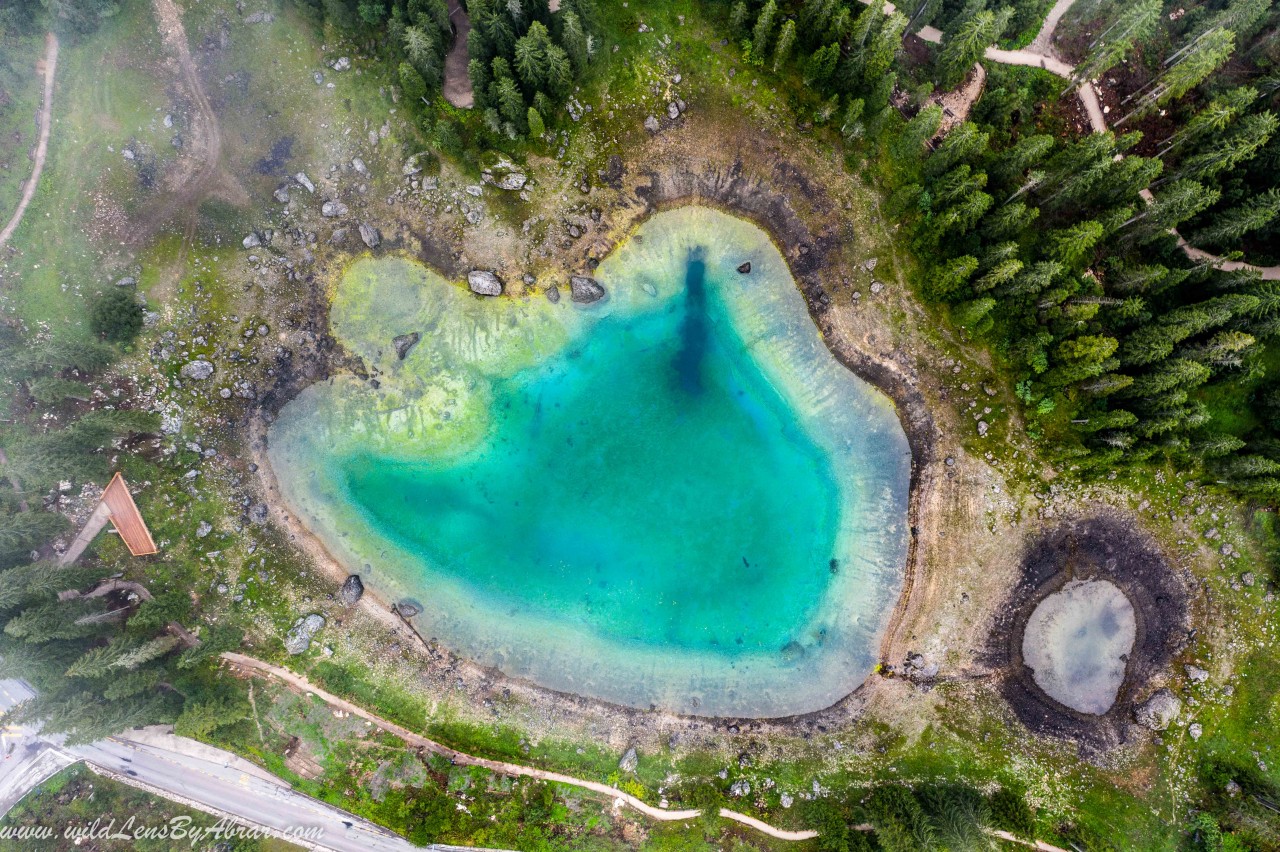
(484, 282)
(404, 342)
(352, 590)
(584, 290)
(1159, 711)
(629, 761)
(197, 370)
(372, 236)
(745, 268)
(298, 640)
(408, 608)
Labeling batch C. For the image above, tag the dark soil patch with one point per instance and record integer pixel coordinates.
(274, 162)
(1102, 549)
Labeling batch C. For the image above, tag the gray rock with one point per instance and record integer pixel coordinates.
(553, 294)
(305, 182)
(629, 761)
(341, 64)
(318, 77)
(127, 281)
(1195, 730)
(197, 370)
(1159, 711)
(251, 241)
(673, 111)
(258, 513)
(352, 590)
(786, 800)
(203, 529)
(404, 342)
(1195, 674)
(282, 195)
(333, 209)
(651, 124)
(584, 290)
(338, 237)
(372, 236)
(745, 268)
(870, 264)
(484, 282)
(259, 18)
(304, 630)
(739, 788)
(359, 166)
(408, 608)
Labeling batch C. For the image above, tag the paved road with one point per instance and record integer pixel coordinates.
(42, 146)
(28, 759)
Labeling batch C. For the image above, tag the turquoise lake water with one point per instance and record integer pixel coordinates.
(674, 498)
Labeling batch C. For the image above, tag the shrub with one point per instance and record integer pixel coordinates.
(115, 315)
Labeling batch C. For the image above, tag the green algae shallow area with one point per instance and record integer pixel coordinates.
(675, 497)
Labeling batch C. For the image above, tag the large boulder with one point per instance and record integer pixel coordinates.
(197, 370)
(584, 290)
(484, 282)
(352, 590)
(1159, 711)
(404, 342)
(298, 640)
(629, 761)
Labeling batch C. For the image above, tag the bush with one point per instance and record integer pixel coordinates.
(1009, 810)
(116, 316)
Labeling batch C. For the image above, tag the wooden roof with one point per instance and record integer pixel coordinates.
(126, 518)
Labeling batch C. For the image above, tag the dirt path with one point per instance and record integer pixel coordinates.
(199, 170)
(457, 82)
(617, 796)
(1043, 42)
(42, 146)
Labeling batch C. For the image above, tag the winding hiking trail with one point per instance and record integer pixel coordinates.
(617, 796)
(457, 82)
(42, 145)
(1041, 54)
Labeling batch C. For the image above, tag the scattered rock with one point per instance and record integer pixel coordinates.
(259, 18)
(739, 788)
(553, 294)
(1248, 578)
(372, 236)
(251, 241)
(651, 124)
(359, 166)
(673, 111)
(197, 370)
(1195, 730)
(1159, 711)
(305, 182)
(484, 282)
(1195, 674)
(258, 513)
(404, 342)
(338, 237)
(299, 637)
(877, 287)
(127, 281)
(629, 761)
(333, 209)
(870, 264)
(203, 529)
(352, 590)
(745, 268)
(584, 290)
(786, 800)
(341, 64)
(282, 195)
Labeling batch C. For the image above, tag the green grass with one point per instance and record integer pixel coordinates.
(21, 91)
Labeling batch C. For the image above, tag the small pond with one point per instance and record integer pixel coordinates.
(1077, 642)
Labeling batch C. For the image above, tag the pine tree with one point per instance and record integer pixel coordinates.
(1224, 152)
(1133, 23)
(573, 38)
(786, 41)
(961, 144)
(1186, 69)
(738, 17)
(411, 83)
(1213, 118)
(536, 126)
(1230, 225)
(821, 64)
(883, 47)
(964, 47)
(762, 32)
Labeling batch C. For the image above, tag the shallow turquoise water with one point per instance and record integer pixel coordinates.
(675, 497)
